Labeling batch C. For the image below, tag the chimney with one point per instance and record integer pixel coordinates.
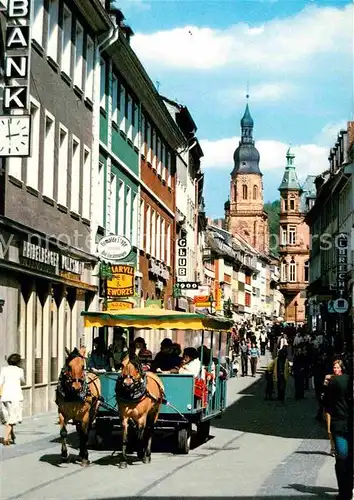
(350, 134)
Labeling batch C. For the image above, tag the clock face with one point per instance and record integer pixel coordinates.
(15, 135)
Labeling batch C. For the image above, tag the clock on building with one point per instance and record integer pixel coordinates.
(15, 133)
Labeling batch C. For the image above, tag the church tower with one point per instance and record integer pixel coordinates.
(244, 212)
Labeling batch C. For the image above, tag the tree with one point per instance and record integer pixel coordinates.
(273, 211)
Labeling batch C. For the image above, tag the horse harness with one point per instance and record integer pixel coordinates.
(67, 392)
(136, 391)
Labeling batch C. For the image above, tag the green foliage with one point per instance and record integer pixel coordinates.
(273, 211)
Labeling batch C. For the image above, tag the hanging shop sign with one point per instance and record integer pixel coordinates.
(342, 242)
(181, 257)
(159, 270)
(117, 305)
(37, 256)
(122, 282)
(218, 296)
(15, 130)
(114, 248)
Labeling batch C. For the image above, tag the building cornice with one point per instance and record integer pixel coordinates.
(96, 15)
(134, 73)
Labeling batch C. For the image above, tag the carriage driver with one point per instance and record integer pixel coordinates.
(99, 360)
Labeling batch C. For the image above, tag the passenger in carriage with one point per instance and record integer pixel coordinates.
(118, 352)
(142, 352)
(167, 359)
(191, 363)
(99, 359)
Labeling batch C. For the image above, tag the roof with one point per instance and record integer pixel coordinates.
(308, 191)
(290, 181)
(246, 155)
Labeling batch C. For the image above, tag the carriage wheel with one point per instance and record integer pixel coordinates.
(203, 431)
(184, 440)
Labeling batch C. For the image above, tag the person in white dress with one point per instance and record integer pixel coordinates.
(11, 404)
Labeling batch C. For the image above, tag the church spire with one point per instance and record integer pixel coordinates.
(290, 180)
(247, 125)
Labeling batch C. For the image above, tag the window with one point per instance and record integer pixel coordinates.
(37, 21)
(244, 192)
(255, 192)
(154, 150)
(15, 167)
(142, 224)
(63, 166)
(159, 156)
(163, 240)
(143, 136)
(283, 271)
(135, 221)
(52, 43)
(75, 176)
(285, 205)
(292, 270)
(306, 271)
(86, 185)
(113, 221)
(292, 235)
(148, 231)
(115, 99)
(121, 202)
(122, 108)
(32, 170)
(234, 192)
(128, 213)
(79, 50)
(292, 204)
(101, 194)
(41, 331)
(168, 246)
(248, 279)
(90, 61)
(135, 119)
(153, 234)
(66, 42)
(163, 162)
(283, 236)
(247, 299)
(49, 141)
(149, 150)
(129, 117)
(158, 238)
(103, 83)
(169, 169)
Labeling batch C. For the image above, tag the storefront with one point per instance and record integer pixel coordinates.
(44, 286)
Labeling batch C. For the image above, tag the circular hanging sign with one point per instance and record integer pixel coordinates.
(113, 248)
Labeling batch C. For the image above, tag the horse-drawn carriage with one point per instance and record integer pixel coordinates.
(187, 400)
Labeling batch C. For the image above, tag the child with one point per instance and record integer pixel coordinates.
(269, 381)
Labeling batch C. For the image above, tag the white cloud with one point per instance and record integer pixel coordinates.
(266, 93)
(279, 44)
(329, 133)
(309, 158)
(130, 6)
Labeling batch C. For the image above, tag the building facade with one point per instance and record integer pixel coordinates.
(294, 241)
(331, 222)
(46, 258)
(244, 212)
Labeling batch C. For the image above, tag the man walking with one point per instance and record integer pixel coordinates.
(263, 341)
(244, 350)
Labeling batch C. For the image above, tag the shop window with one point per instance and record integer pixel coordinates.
(54, 325)
(40, 331)
(24, 327)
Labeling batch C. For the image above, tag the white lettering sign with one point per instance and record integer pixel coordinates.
(15, 98)
(16, 67)
(159, 270)
(51, 258)
(18, 8)
(114, 248)
(17, 37)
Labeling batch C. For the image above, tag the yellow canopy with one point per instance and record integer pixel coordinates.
(161, 319)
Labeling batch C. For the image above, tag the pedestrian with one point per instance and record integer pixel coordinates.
(254, 357)
(263, 342)
(11, 405)
(299, 373)
(338, 403)
(244, 357)
(281, 372)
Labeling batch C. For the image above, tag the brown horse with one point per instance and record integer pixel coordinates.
(139, 397)
(77, 397)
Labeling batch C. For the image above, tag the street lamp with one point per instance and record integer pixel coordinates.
(295, 304)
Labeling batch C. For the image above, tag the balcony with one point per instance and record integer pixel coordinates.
(294, 249)
(292, 287)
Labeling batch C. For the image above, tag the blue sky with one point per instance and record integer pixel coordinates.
(296, 55)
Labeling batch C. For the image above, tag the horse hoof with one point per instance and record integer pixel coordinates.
(123, 465)
(85, 463)
(146, 460)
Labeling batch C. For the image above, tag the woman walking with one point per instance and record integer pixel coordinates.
(11, 378)
(254, 357)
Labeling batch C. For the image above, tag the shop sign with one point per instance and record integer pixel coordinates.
(217, 295)
(61, 263)
(181, 257)
(202, 301)
(342, 242)
(119, 305)
(114, 248)
(159, 270)
(122, 282)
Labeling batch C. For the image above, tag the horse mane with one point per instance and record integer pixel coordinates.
(134, 360)
(72, 355)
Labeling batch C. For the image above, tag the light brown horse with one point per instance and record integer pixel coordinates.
(77, 397)
(139, 397)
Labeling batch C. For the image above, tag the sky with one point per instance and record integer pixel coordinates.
(296, 58)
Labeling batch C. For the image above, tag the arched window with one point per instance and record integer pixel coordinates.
(306, 271)
(244, 192)
(255, 192)
(235, 193)
(292, 270)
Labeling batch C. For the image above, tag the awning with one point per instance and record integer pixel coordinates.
(160, 319)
